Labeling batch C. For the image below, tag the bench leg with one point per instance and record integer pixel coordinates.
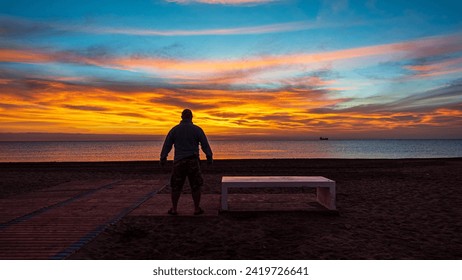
(326, 197)
(224, 198)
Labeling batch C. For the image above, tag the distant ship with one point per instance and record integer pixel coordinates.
(323, 138)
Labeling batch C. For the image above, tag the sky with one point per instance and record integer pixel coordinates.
(263, 69)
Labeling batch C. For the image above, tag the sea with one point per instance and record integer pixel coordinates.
(98, 151)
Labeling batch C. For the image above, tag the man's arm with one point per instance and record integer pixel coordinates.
(167, 147)
(205, 146)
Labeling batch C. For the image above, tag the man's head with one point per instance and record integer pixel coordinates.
(186, 115)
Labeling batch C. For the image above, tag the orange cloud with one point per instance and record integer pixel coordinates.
(201, 68)
(435, 66)
(302, 105)
(52, 106)
(440, 68)
(195, 70)
(24, 56)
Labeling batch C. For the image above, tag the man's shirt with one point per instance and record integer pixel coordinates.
(186, 138)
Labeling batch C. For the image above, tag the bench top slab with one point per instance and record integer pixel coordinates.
(274, 179)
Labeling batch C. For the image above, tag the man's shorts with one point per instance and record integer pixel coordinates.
(183, 168)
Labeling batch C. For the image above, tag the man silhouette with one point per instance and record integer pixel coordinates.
(186, 138)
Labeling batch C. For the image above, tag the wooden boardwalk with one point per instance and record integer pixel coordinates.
(55, 222)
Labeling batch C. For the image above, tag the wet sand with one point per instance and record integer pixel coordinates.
(387, 209)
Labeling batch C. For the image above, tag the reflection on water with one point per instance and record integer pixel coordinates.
(339, 149)
(149, 150)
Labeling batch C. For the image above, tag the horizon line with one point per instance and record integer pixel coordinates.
(84, 137)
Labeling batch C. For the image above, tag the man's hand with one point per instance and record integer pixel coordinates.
(163, 161)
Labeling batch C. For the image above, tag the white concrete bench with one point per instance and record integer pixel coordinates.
(325, 188)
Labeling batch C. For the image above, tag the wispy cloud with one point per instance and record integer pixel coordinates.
(16, 26)
(421, 111)
(261, 29)
(438, 68)
(20, 27)
(249, 68)
(224, 2)
(257, 70)
(417, 104)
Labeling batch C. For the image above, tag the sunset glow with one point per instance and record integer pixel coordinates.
(287, 69)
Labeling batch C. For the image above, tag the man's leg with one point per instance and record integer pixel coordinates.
(196, 182)
(176, 184)
(175, 198)
(196, 195)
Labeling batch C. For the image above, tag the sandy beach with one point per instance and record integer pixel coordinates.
(387, 209)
